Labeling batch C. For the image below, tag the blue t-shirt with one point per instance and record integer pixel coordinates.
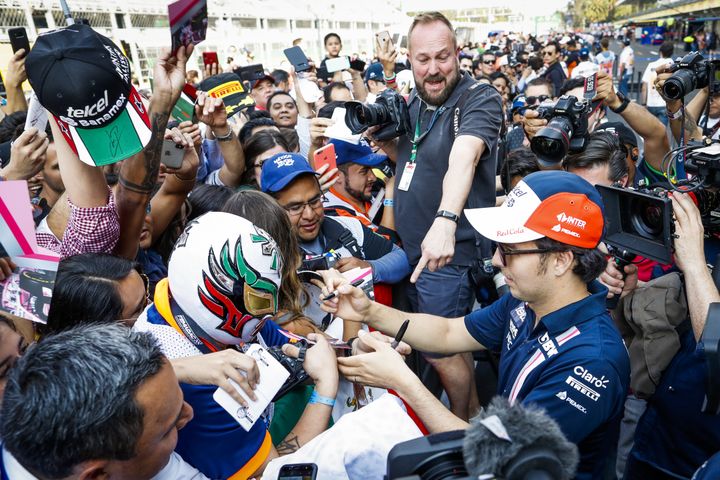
(573, 364)
(673, 435)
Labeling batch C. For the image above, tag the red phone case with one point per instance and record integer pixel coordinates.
(325, 156)
(209, 58)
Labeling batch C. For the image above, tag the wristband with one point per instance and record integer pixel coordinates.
(676, 115)
(388, 202)
(316, 398)
(449, 215)
(623, 105)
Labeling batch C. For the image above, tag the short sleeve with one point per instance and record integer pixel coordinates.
(580, 394)
(482, 117)
(487, 325)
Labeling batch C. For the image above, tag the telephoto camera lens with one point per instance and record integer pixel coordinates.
(680, 84)
(647, 218)
(359, 117)
(551, 143)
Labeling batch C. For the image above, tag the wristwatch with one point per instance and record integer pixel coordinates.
(625, 102)
(447, 214)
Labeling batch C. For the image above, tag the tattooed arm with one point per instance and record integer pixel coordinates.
(321, 364)
(138, 173)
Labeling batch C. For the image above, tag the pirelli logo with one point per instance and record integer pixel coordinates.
(582, 388)
(226, 89)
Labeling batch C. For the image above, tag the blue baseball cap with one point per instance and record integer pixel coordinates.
(584, 53)
(362, 154)
(552, 203)
(374, 72)
(281, 169)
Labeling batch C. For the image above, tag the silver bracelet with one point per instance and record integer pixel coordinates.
(225, 137)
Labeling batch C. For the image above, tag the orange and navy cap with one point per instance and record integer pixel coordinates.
(554, 204)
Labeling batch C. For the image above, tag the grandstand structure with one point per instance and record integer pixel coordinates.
(254, 31)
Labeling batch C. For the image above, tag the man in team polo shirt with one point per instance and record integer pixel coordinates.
(558, 347)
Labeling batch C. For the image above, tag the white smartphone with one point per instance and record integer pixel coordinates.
(36, 116)
(337, 64)
(383, 38)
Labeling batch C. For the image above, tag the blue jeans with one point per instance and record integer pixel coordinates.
(624, 81)
(660, 113)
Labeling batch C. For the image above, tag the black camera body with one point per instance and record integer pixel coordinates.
(315, 263)
(690, 73)
(638, 221)
(566, 131)
(294, 366)
(389, 112)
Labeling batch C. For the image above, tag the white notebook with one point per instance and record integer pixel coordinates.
(272, 378)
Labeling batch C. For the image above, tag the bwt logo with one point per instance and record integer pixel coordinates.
(576, 222)
(285, 161)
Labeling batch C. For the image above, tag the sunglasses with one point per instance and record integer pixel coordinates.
(548, 53)
(489, 62)
(539, 99)
(504, 252)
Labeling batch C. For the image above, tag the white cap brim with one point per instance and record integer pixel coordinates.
(506, 224)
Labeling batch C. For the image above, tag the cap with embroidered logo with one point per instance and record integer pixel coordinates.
(281, 169)
(554, 204)
(361, 153)
(229, 87)
(83, 79)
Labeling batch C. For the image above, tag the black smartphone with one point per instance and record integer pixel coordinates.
(251, 72)
(298, 471)
(357, 65)
(297, 58)
(19, 39)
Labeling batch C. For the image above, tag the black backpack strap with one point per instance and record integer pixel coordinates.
(337, 235)
(482, 245)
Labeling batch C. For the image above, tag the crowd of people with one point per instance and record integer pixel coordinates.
(492, 256)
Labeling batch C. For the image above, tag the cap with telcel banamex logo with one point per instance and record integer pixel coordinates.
(554, 204)
(281, 169)
(83, 79)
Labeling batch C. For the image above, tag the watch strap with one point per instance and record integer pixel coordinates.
(625, 102)
(447, 214)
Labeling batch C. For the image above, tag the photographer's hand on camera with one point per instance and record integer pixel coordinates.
(320, 364)
(532, 124)
(613, 279)
(219, 368)
(690, 258)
